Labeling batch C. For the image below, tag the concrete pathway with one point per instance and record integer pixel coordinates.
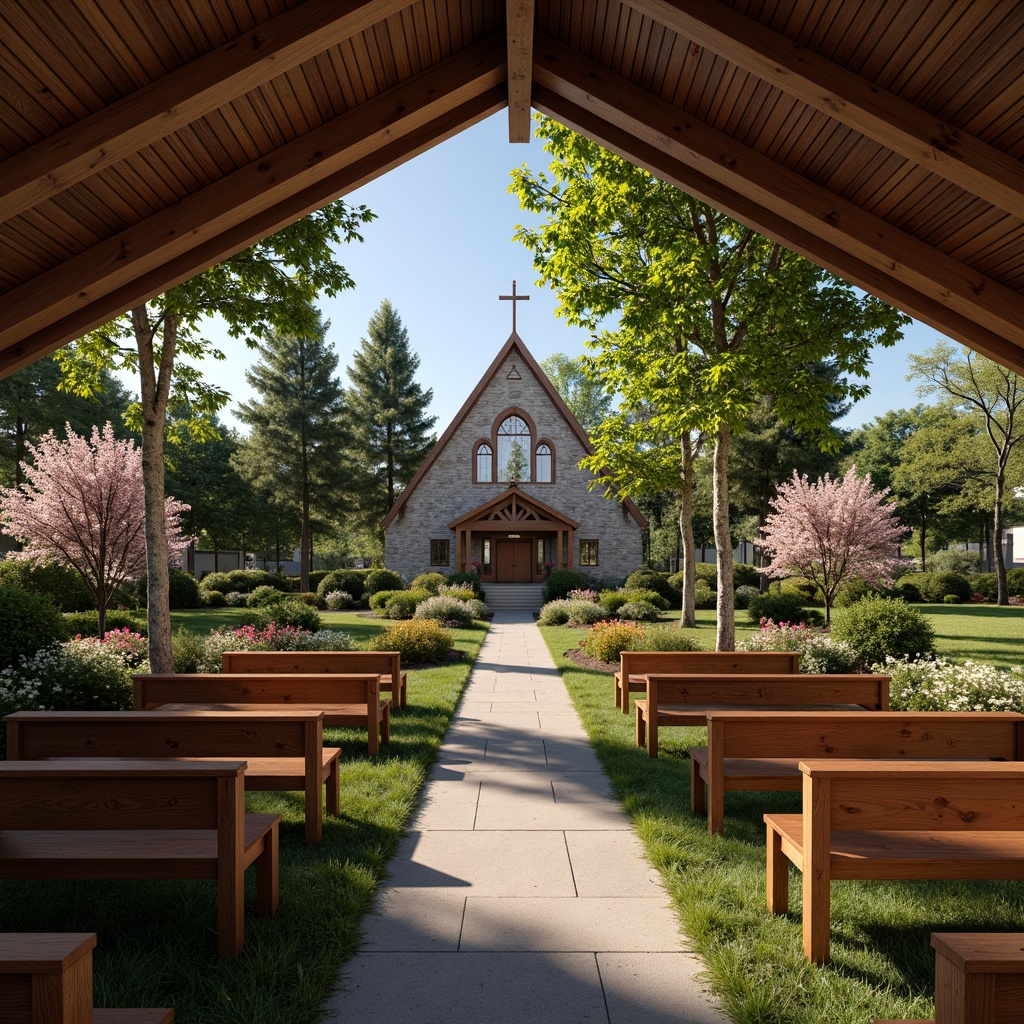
(520, 893)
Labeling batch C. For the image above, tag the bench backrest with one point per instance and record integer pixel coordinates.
(385, 663)
(944, 735)
(869, 691)
(639, 663)
(38, 734)
(152, 691)
(101, 794)
(913, 796)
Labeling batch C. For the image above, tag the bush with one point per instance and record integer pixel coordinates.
(648, 579)
(649, 597)
(942, 583)
(184, 590)
(450, 611)
(744, 594)
(954, 560)
(382, 579)
(704, 596)
(706, 571)
(607, 640)
(778, 607)
(908, 587)
(244, 581)
(818, 651)
(88, 623)
(289, 612)
(351, 581)
(880, 627)
(431, 582)
(477, 608)
(639, 611)
(402, 605)
(566, 611)
(236, 599)
(941, 686)
(310, 597)
(611, 600)
(852, 592)
(951, 599)
(62, 584)
(985, 583)
(667, 638)
(317, 576)
(744, 575)
(805, 589)
(418, 641)
(380, 600)
(28, 623)
(561, 581)
(457, 590)
(336, 600)
(263, 597)
(1015, 582)
(214, 599)
(187, 650)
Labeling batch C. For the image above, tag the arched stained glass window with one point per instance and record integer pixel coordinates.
(514, 448)
(483, 463)
(545, 464)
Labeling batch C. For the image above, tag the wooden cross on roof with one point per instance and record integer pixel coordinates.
(514, 298)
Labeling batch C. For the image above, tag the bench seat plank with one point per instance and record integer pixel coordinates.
(336, 716)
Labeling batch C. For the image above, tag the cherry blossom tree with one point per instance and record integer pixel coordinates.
(831, 531)
(82, 505)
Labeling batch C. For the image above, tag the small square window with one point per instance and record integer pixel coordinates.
(439, 552)
(588, 552)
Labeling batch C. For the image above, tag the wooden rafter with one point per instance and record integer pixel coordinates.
(181, 97)
(910, 263)
(519, 29)
(934, 144)
(260, 225)
(227, 208)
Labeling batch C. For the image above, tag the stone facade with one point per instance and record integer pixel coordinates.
(446, 490)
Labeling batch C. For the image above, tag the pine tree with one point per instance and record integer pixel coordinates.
(386, 407)
(298, 434)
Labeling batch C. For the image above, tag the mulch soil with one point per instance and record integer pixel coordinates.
(584, 660)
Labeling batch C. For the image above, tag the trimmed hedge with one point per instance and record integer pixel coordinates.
(88, 623)
(382, 579)
(63, 585)
(650, 579)
(881, 627)
(28, 623)
(352, 581)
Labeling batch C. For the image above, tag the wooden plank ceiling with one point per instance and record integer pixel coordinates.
(142, 141)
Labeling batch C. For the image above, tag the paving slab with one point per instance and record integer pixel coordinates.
(656, 988)
(414, 920)
(611, 863)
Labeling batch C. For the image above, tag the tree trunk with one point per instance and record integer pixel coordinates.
(688, 617)
(923, 569)
(726, 635)
(154, 389)
(1002, 595)
(304, 543)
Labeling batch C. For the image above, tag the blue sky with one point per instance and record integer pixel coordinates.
(442, 251)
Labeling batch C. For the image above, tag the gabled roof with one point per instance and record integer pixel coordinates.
(141, 141)
(520, 508)
(513, 345)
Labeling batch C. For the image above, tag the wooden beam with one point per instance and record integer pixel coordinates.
(934, 144)
(519, 29)
(182, 96)
(870, 239)
(231, 201)
(215, 249)
(740, 206)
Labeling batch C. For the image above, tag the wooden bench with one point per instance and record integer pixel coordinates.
(674, 700)
(894, 820)
(634, 665)
(140, 819)
(979, 978)
(388, 664)
(46, 978)
(345, 700)
(283, 749)
(762, 750)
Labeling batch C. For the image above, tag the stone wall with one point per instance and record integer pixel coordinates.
(447, 492)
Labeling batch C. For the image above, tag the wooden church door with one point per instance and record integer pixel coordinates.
(515, 561)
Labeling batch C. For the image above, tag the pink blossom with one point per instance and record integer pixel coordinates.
(831, 531)
(82, 505)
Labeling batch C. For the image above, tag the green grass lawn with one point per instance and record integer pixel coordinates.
(882, 966)
(157, 941)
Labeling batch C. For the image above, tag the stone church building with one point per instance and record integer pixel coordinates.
(465, 510)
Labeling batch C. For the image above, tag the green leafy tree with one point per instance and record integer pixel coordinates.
(390, 431)
(710, 315)
(32, 404)
(268, 287)
(298, 434)
(992, 395)
(517, 464)
(586, 399)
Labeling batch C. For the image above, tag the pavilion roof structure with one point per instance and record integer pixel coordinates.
(142, 141)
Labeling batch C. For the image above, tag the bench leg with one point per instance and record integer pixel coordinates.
(334, 789)
(641, 727)
(314, 814)
(698, 799)
(777, 874)
(385, 725)
(230, 908)
(618, 699)
(268, 891)
(404, 687)
(652, 735)
(373, 733)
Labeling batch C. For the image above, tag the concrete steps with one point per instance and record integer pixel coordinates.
(513, 596)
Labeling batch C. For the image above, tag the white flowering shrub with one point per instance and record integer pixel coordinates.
(818, 651)
(338, 599)
(445, 609)
(942, 686)
(72, 676)
(236, 599)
